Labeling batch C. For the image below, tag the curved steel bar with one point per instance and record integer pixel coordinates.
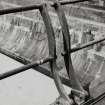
(52, 52)
(35, 6)
(67, 47)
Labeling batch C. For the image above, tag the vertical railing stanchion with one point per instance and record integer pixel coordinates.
(52, 53)
(67, 47)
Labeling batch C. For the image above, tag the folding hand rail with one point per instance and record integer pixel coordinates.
(52, 48)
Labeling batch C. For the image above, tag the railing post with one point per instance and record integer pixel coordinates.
(75, 84)
(52, 53)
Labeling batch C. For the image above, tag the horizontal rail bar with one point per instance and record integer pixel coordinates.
(20, 9)
(97, 99)
(29, 66)
(86, 45)
(39, 68)
(94, 7)
(93, 101)
(35, 66)
(72, 2)
(35, 6)
(23, 68)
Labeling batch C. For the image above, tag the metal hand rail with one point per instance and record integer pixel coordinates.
(52, 58)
